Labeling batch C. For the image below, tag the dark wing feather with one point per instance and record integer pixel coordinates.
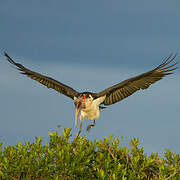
(47, 81)
(126, 88)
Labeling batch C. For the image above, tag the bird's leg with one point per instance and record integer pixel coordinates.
(80, 128)
(91, 125)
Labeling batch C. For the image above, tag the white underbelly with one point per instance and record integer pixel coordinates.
(91, 115)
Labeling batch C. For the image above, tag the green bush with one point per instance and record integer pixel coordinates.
(80, 158)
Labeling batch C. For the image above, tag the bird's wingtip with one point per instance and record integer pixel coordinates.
(5, 54)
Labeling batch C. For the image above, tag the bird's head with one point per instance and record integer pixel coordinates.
(83, 101)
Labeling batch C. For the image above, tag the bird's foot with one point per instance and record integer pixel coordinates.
(90, 126)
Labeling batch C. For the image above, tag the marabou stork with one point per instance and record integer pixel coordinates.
(88, 103)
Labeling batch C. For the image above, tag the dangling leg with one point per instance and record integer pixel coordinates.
(91, 125)
(80, 128)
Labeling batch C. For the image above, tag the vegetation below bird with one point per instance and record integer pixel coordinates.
(80, 158)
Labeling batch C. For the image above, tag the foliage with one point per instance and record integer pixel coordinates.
(80, 158)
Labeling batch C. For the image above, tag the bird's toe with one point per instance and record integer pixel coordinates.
(88, 127)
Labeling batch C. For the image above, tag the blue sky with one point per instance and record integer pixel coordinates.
(89, 45)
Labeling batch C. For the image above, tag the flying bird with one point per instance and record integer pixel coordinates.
(89, 104)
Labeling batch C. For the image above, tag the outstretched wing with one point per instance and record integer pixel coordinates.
(126, 88)
(47, 81)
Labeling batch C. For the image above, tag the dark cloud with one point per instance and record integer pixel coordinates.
(95, 32)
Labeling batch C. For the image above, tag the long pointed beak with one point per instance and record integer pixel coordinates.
(78, 107)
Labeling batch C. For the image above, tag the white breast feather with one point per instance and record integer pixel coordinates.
(92, 111)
